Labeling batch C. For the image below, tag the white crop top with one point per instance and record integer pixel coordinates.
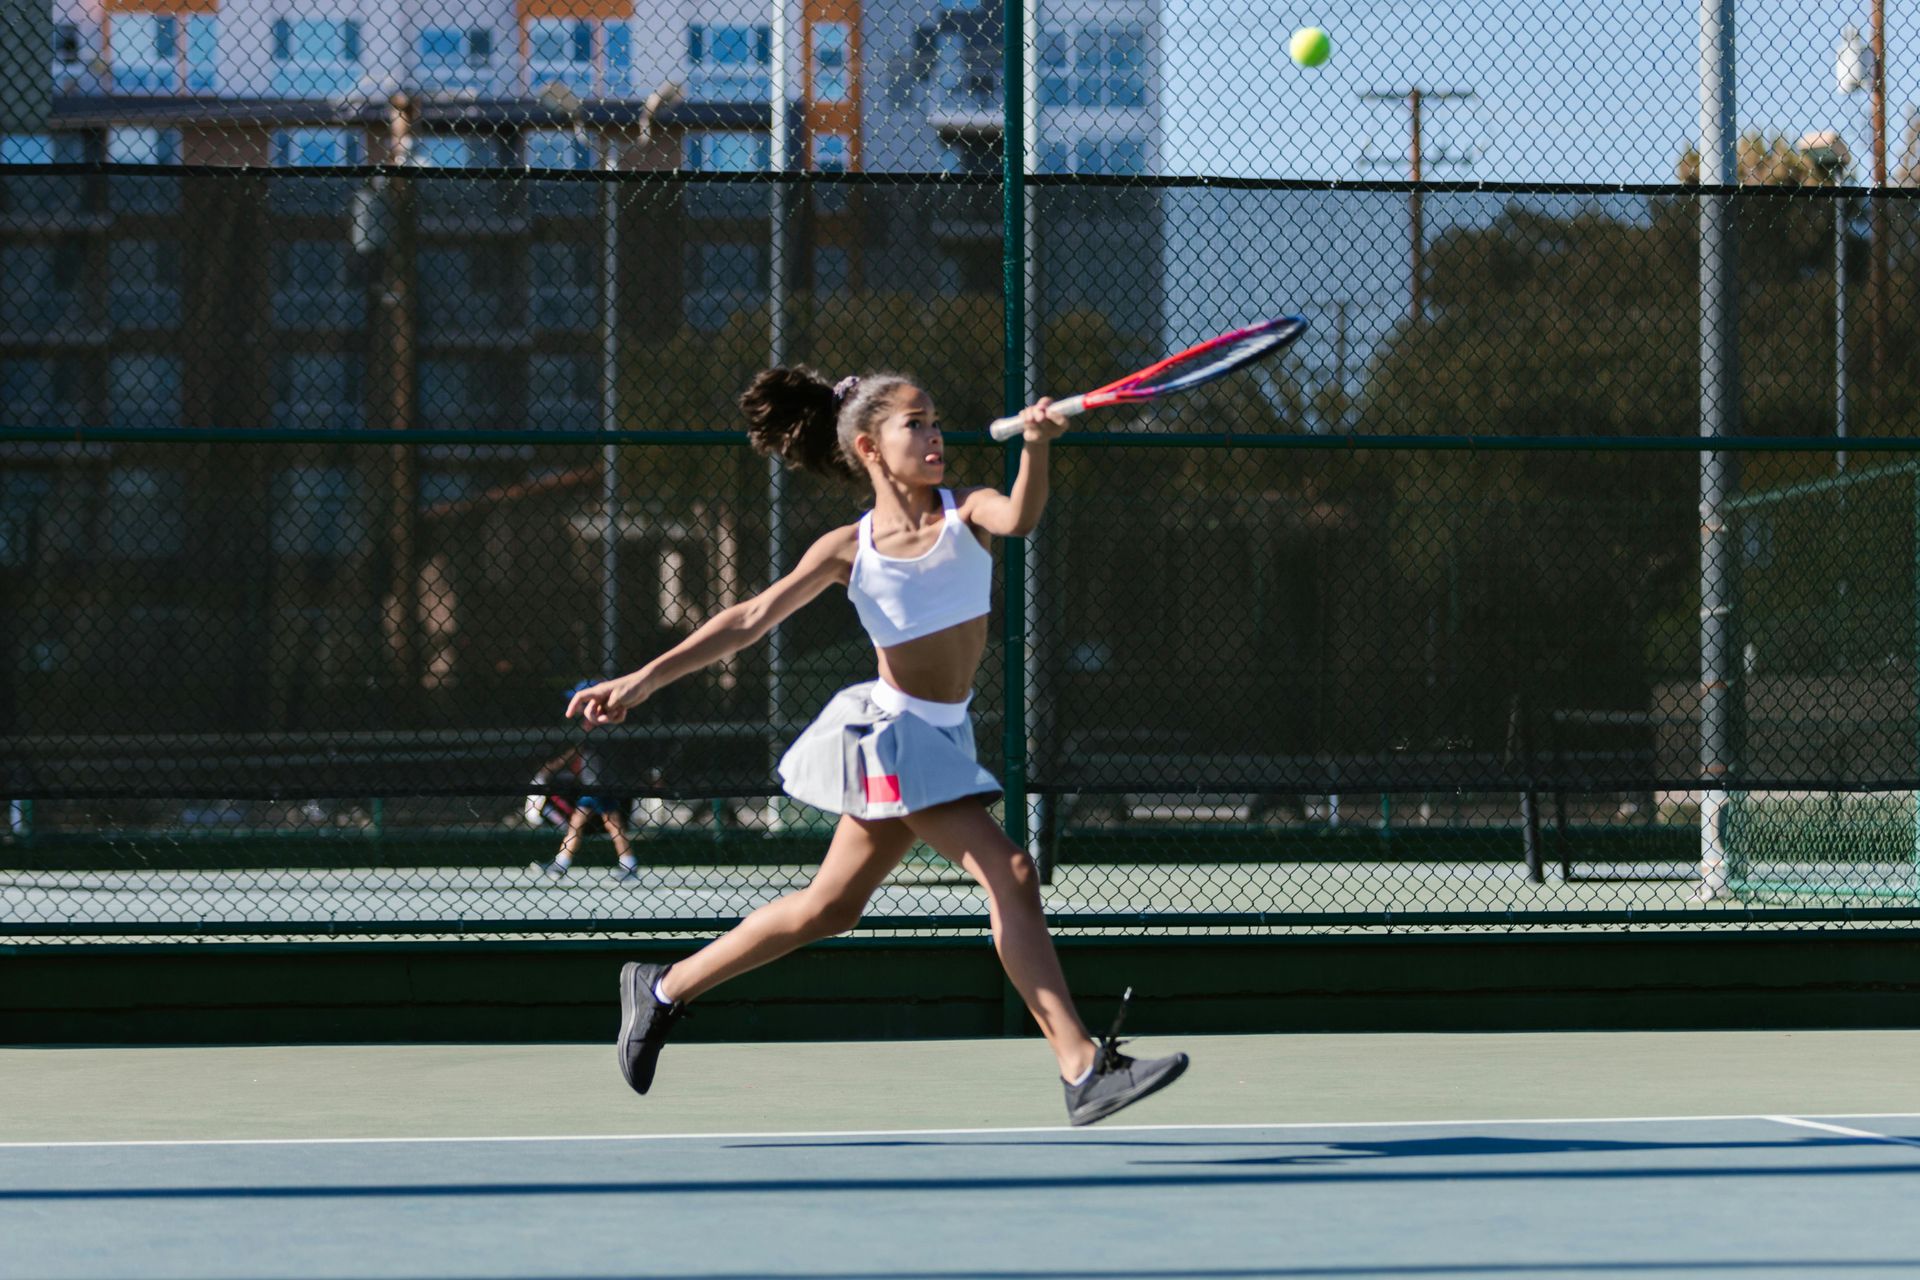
(902, 600)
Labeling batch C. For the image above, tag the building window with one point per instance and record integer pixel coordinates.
(315, 148)
(619, 41)
(1126, 67)
(723, 279)
(315, 58)
(731, 152)
(143, 193)
(143, 391)
(1094, 66)
(467, 290)
(1056, 68)
(454, 55)
(315, 286)
(317, 390)
(832, 152)
(558, 149)
(144, 516)
(970, 157)
(729, 63)
(66, 43)
(203, 53)
(563, 392)
(459, 392)
(144, 284)
(554, 149)
(144, 51)
(564, 291)
(52, 391)
(312, 149)
(317, 511)
(966, 75)
(734, 152)
(128, 144)
(44, 194)
(560, 51)
(443, 151)
(832, 62)
(45, 287)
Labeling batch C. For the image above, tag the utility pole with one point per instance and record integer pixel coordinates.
(397, 317)
(1877, 270)
(1416, 98)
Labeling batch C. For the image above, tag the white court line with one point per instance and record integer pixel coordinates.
(937, 1133)
(1851, 1133)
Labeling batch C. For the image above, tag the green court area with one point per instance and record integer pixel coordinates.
(1754, 1154)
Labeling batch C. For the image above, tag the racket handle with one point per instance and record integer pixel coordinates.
(1004, 429)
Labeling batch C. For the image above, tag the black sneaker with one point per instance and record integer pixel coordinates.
(644, 1023)
(1117, 1080)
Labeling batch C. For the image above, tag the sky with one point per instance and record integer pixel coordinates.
(1599, 92)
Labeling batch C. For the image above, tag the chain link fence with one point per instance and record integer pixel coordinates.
(369, 377)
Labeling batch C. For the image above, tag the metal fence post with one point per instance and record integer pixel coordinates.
(1013, 220)
(778, 127)
(1719, 389)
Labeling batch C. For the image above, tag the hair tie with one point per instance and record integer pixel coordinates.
(845, 388)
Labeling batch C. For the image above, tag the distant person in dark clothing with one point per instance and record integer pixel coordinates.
(584, 766)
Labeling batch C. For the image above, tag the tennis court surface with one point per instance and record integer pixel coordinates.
(1385, 1155)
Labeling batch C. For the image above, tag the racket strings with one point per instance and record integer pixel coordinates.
(1204, 363)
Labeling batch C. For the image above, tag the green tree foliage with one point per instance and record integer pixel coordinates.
(1571, 317)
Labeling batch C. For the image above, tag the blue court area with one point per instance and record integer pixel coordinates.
(1721, 1196)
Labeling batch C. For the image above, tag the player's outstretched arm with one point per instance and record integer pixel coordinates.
(828, 561)
(1016, 513)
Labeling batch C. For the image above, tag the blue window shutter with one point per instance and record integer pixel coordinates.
(282, 39)
(763, 46)
(582, 42)
(695, 37)
(166, 37)
(352, 39)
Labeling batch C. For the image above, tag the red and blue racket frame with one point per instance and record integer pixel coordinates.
(1214, 358)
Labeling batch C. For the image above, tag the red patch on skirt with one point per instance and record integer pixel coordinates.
(883, 789)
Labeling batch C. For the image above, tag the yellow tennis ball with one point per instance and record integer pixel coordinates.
(1310, 46)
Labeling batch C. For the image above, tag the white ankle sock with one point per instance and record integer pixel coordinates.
(1088, 1073)
(657, 995)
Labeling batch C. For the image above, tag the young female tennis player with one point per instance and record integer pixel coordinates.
(893, 756)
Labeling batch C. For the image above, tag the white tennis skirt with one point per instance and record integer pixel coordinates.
(875, 752)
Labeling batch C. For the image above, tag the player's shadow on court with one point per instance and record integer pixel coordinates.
(1498, 1148)
(1323, 1152)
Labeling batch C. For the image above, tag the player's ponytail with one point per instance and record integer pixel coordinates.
(793, 414)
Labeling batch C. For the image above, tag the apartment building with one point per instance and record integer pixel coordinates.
(151, 300)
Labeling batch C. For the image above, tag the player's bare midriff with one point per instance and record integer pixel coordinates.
(938, 667)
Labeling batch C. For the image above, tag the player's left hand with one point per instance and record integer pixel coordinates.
(1038, 422)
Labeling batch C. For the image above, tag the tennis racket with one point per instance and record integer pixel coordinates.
(1213, 358)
